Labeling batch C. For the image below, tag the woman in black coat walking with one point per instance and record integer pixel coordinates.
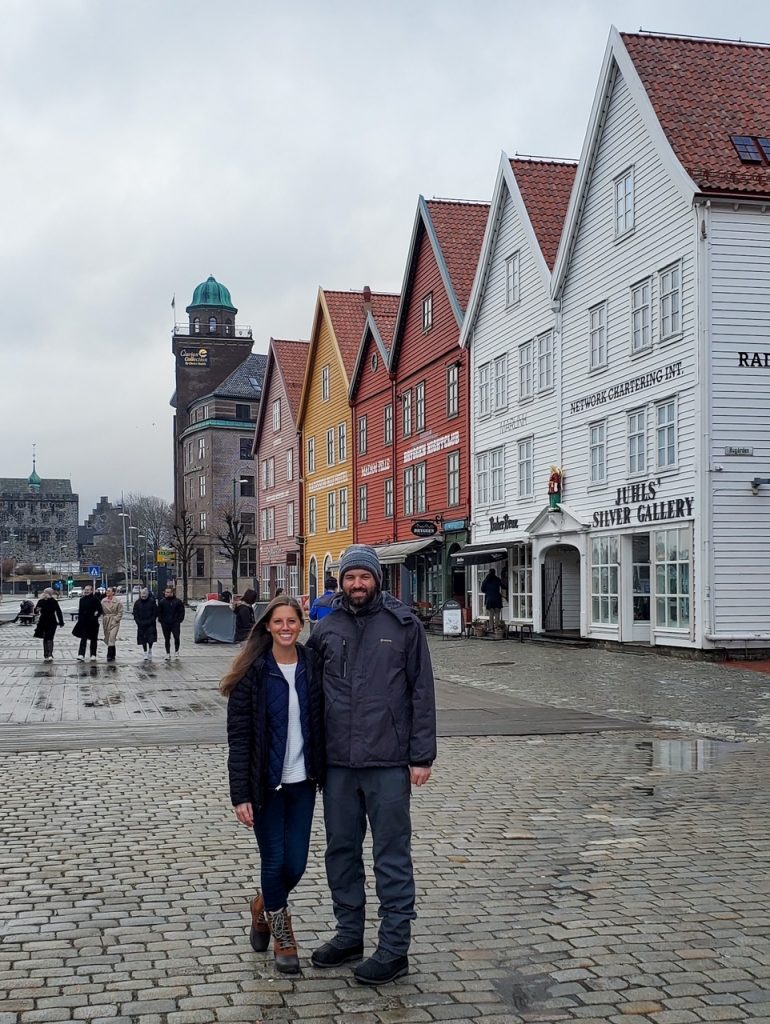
(146, 617)
(50, 618)
(87, 626)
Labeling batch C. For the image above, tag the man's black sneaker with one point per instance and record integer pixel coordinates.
(330, 955)
(381, 970)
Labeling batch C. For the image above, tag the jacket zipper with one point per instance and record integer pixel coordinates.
(344, 659)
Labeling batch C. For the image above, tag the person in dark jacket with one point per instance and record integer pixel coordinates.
(275, 764)
(492, 589)
(49, 618)
(322, 606)
(380, 726)
(87, 626)
(244, 614)
(146, 617)
(170, 617)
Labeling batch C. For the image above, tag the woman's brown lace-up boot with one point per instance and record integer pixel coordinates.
(284, 943)
(259, 936)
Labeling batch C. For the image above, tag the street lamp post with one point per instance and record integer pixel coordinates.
(124, 516)
(132, 548)
(2, 545)
(143, 573)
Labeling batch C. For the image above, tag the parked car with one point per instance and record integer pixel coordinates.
(76, 592)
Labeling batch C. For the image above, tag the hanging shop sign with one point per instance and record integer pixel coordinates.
(424, 528)
(455, 525)
(628, 387)
(648, 509)
(506, 523)
(194, 356)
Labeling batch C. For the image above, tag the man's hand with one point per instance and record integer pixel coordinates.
(245, 814)
(419, 776)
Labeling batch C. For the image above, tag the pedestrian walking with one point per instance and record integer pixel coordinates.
(492, 589)
(87, 626)
(275, 764)
(244, 614)
(146, 617)
(49, 619)
(112, 613)
(322, 605)
(170, 617)
(380, 730)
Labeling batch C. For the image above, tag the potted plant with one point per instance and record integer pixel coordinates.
(479, 627)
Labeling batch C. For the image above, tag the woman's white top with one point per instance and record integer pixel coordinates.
(294, 759)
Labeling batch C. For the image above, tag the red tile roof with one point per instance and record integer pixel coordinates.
(545, 187)
(460, 230)
(348, 316)
(291, 356)
(703, 92)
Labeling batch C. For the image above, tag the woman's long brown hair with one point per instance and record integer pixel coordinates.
(258, 642)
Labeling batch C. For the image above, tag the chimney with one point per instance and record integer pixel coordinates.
(367, 297)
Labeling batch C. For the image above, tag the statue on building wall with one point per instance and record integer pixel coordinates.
(555, 482)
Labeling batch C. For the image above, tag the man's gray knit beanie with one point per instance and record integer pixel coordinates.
(361, 556)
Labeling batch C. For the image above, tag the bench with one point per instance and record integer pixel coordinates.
(519, 628)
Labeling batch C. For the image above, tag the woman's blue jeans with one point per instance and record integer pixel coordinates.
(282, 829)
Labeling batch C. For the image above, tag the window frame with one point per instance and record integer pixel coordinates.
(639, 309)
(674, 269)
(427, 312)
(388, 423)
(312, 515)
(419, 407)
(481, 477)
(453, 390)
(311, 455)
(421, 487)
(342, 442)
(484, 389)
(331, 512)
(544, 356)
(525, 466)
(363, 434)
(621, 225)
(406, 413)
(325, 383)
(291, 528)
(276, 415)
(526, 375)
(363, 503)
(331, 441)
(388, 502)
(343, 508)
(513, 279)
(604, 583)
(600, 331)
(453, 479)
(409, 491)
(632, 432)
(671, 425)
(597, 481)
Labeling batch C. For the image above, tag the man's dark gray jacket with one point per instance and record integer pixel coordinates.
(380, 704)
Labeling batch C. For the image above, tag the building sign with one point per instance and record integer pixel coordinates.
(628, 387)
(194, 356)
(754, 360)
(436, 444)
(730, 450)
(328, 481)
(454, 525)
(647, 511)
(513, 423)
(424, 528)
(380, 466)
(506, 523)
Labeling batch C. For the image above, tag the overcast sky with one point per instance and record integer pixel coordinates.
(148, 143)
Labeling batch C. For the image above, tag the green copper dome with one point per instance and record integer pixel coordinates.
(211, 293)
(33, 479)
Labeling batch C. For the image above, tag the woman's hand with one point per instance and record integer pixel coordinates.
(245, 814)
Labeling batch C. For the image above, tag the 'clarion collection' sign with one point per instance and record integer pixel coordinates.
(647, 511)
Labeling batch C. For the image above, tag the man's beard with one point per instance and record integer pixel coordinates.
(358, 600)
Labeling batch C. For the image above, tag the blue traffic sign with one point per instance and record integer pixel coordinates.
(95, 570)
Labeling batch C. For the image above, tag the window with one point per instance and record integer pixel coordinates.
(637, 442)
(247, 562)
(362, 435)
(453, 478)
(419, 405)
(520, 597)
(331, 511)
(202, 522)
(242, 412)
(525, 371)
(641, 324)
(363, 503)
(597, 447)
(484, 397)
(512, 289)
(294, 581)
(624, 203)
(330, 436)
(268, 473)
(389, 423)
(311, 515)
(672, 579)
(276, 415)
(311, 455)
(228, 326)
(325, 388)
(665, 434)
(248, 521)
(265, 580)
(343, 508)
(290, 464)
(268, 524)
(197, 330)
(427, 312)
(670, 287)
(202, 486)
(597, 329)
(482, 478)
(501, 382)
(525, 467)
(201, 447)
(342, 437)
(545, 361)
(406, 400)
(389, 498)
(280, 577)
(420, 487)
(245, 448)
(290, 527)
(604, 580)
(200, 562)
(247, 486)
(409, 491)
(497, 474)
(453, 390)
(212, 325)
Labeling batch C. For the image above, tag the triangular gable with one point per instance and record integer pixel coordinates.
(550, 521)
(380, 330)
(616, 59)
(283, 359)
(321, 312)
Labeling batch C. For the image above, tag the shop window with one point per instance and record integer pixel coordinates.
(672, 579)
(605, 574)
(265, 582)
(640, 568)
(520, 597)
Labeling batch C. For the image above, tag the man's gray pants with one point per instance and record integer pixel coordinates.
(351, 795)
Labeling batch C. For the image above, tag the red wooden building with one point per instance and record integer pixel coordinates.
(431, 456)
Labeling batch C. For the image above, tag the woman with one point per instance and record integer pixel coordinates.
(87, 626)
(50, 617)
(112, 613)
(146, 617)
(244, 614)
(276, 763)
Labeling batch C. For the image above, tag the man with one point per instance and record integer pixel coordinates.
(170, 617)
(322, 606)
(380, 740)
(492, 589)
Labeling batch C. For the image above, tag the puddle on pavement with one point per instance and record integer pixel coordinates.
(683, 755)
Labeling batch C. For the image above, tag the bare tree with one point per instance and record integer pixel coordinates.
(233, 537)
(183, 540)
(152, 515)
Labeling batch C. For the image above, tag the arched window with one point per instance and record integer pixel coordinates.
(313, 580)
(228, 327)
(212, 325)
(197, 325)
(327, 566)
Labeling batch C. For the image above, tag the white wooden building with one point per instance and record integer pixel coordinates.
(661, 359)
